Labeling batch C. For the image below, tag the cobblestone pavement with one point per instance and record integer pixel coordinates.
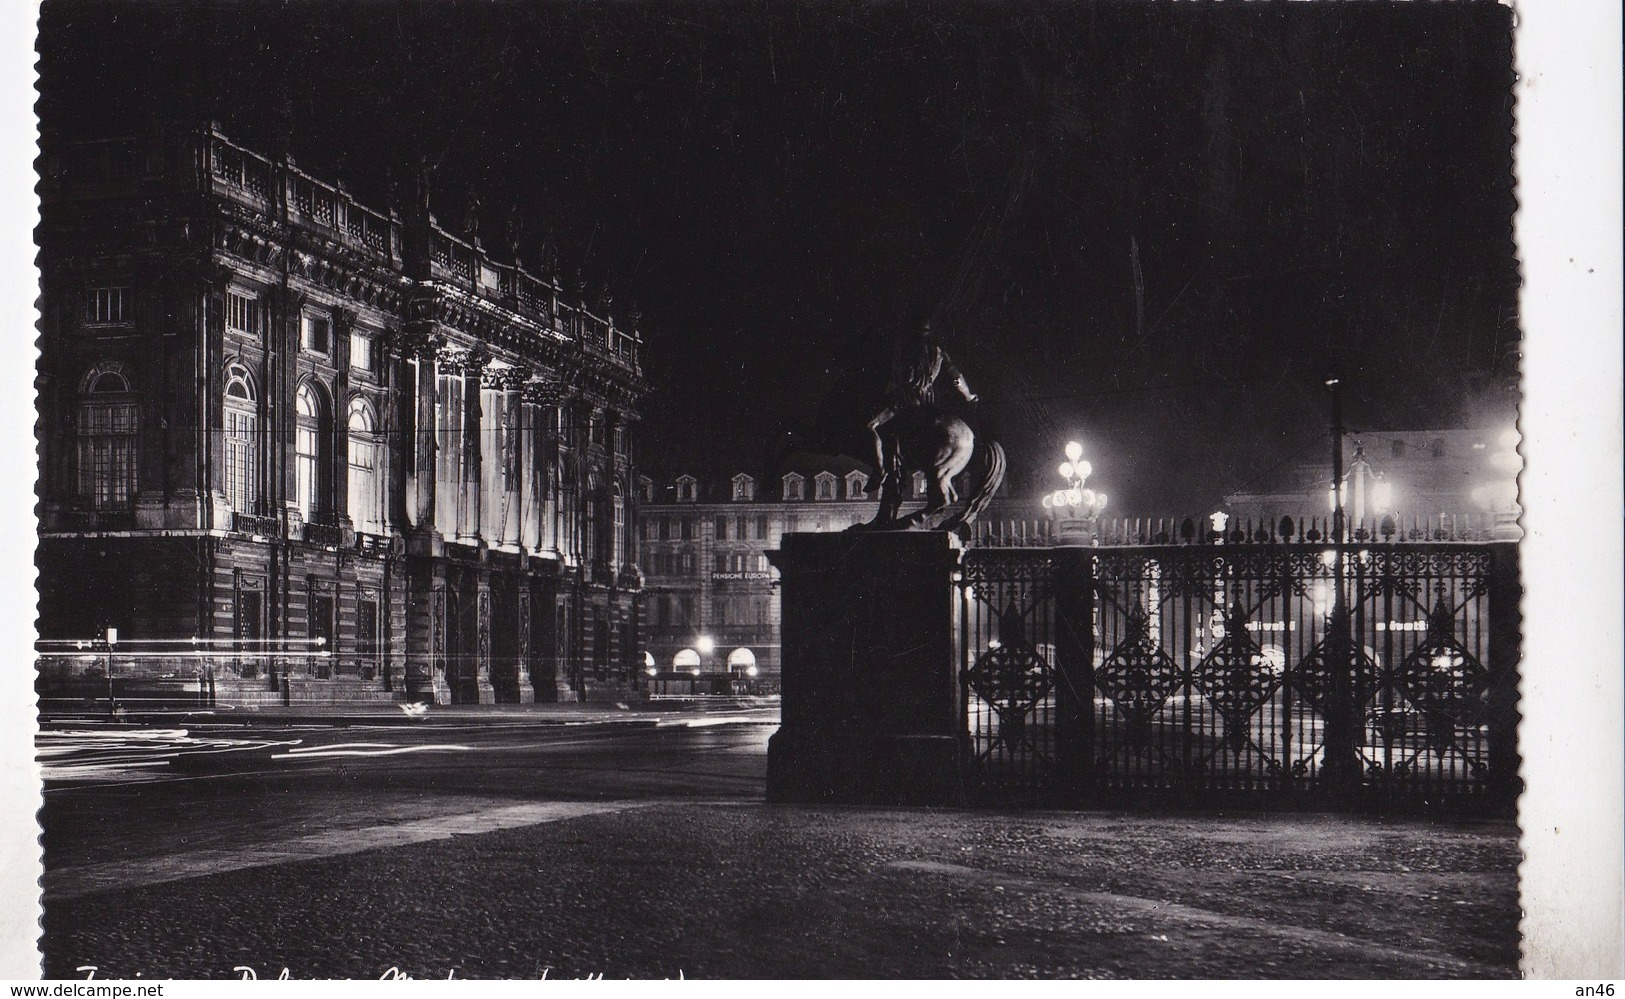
(740, 889)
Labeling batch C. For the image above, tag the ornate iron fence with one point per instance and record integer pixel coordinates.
(1370, 672)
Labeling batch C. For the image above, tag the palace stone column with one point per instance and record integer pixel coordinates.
(473, 377)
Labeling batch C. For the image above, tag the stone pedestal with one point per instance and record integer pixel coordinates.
(870, 711)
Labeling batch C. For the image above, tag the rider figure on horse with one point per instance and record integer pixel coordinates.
(918, 367)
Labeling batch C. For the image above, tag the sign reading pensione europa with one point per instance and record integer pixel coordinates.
(753, 574)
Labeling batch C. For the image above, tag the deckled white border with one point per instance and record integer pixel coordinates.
(1569, 230)
(19, 783)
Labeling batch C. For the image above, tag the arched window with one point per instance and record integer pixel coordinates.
(242, 456)
(617, 506)
(312, 433)
(365, 494)
(107, 439)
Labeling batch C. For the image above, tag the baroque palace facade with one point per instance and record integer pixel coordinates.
(292, 448)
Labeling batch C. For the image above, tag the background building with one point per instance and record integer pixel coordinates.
(711, 603)
(1422, 481)
(293, 447)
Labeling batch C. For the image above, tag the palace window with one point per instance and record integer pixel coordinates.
(617, 512)
(317, 335)
(244, 314)
(313, 431)
(856, 483)
(744, 488)
(319, 624)
(360, 350)
(919, 485)
(248, 619)
(107, 440)
(365, 493)
(241, 428)
(721, 529)
(687, 488)
(826, 485)
(794, 487)
(107, 306)
(366, 629)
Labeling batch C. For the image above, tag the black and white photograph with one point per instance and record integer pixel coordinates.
(808, 490)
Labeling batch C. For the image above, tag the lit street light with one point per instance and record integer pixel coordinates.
(1078, 506)
(1362, 491)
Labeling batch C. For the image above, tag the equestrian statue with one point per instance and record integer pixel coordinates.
(917, 431)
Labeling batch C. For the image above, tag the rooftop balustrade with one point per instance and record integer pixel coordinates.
(328, 209)
(468, 268)
(278, 188)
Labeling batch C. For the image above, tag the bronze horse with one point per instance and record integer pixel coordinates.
(941, 445)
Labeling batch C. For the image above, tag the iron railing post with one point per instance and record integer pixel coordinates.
(1075, 668)
(1340, 770)
(1505, 595)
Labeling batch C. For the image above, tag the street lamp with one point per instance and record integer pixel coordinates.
(112, 702)
(705, 645)
(1362, 491)
(1080, 506)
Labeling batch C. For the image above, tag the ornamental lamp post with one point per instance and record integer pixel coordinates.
(1362, 491)
(1339, 769)
(1077, 509)
(112, 702)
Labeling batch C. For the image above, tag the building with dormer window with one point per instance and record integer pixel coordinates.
(344, 453)
(856, 483)
(709, 584)
(824, 485)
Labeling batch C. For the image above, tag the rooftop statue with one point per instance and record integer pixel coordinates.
(918, 431)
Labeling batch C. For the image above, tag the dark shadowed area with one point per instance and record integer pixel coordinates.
(1148, 228)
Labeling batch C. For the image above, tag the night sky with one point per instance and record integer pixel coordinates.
(1150, 228)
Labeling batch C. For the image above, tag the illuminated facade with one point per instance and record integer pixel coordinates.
(332, 453)
(1420, 481)
(711, 603)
